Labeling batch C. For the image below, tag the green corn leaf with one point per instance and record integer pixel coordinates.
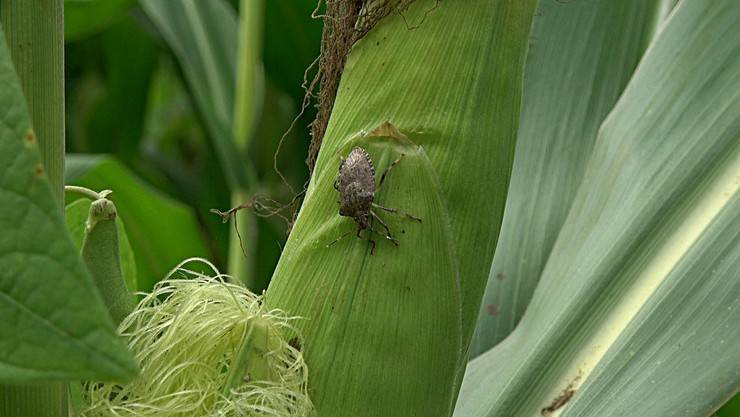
(162, 231)
(54, 325)
(203, 36)
(580, 57)
(75, 214)
(387, 334)
(636, 310)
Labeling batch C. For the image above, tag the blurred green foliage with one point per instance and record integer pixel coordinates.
(127, 99)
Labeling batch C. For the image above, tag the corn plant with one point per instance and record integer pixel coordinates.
(548, 226)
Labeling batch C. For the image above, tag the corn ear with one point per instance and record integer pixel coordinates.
(387, 334)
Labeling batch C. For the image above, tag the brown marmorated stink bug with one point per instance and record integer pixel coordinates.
(356, 185)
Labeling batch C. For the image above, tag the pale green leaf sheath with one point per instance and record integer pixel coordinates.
(53, 323)
(636, 311)
(581, 55)
(387, 334)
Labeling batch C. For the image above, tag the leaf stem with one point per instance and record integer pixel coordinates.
(86, 192)
(247, 107)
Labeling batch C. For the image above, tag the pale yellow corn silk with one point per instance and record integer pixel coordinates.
(185, 335)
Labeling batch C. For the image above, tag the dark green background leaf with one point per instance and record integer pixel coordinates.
(85, 17)
(162, 232)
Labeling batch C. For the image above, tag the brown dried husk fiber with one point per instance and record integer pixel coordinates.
(345, 22)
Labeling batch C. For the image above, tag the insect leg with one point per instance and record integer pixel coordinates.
(388, 231)
(390, 167)
(369, 234)
(397, 211)
(372, 242)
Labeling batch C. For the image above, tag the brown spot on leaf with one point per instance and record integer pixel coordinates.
(30, 138)
(492, 309)
(38, 170)
(559, 402)
(501, 275)
(562, 399)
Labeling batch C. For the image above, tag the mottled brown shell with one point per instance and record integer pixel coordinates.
(356, 186)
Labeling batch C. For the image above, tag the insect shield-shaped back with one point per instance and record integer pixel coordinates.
(356, 185)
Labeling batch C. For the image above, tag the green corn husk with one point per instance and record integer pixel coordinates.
(387, 334)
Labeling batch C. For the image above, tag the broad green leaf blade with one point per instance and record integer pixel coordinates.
(581, 56)
(76, 217)
(682, 348)
(642, 282)
(203, 36)
(387, 334)
(54, 325)
(162, 232)
(86, 17)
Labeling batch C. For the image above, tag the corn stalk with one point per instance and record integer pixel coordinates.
(35, 36)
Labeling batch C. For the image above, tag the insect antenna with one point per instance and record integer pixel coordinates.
(390, 167)
(340, 238)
